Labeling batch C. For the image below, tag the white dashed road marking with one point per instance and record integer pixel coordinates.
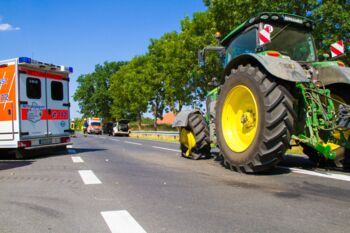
(69, 146)
(89, 177)
(163, 148)
(121, 222)
(77, 159)
(324, 175)
(135, 143)
(117, 140)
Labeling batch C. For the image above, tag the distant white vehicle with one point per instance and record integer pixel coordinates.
(34, 105)
(121, 128)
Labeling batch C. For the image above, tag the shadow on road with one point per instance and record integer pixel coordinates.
(6, 165)
(8, 157)
(290, 161)
(42, 154)
(299, 161)
(85, 150)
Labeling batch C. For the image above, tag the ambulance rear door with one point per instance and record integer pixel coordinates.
(32, 100)
(58, 104)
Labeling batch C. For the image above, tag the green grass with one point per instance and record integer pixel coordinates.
(164, 138)
(149, 127)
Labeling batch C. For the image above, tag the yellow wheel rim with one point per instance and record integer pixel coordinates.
(239, 118)
(187, 139)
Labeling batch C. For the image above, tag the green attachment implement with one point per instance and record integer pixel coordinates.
(317, 107)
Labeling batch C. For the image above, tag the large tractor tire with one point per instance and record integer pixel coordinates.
(194, 139)
(254, 120)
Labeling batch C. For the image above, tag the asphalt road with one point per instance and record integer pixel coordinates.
(117, 184)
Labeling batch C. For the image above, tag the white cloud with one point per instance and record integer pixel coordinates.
(8, 27)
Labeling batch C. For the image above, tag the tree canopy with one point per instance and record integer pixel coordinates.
(92, 92)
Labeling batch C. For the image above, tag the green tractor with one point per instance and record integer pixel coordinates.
(272, 95)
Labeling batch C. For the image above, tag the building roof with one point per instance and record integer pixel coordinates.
(168, 118)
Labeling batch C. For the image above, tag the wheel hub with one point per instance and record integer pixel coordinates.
(248, 119)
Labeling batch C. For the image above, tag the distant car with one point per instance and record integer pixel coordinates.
(121, 128)
(108, 128)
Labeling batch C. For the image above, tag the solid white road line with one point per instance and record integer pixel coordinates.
(163, 148)
(121, 222)
(77, 159)
(89, 177)
(324, 175)
(135, 143)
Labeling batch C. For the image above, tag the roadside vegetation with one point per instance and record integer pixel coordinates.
(168, 77)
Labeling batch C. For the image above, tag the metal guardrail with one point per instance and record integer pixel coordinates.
(160, 133)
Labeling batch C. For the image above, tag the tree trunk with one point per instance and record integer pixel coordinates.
(155, 125)
(139, 121)
(173, 109)
(155, 113)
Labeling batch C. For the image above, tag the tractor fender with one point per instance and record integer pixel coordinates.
(333, 74)
(181, 119)
(282, 68)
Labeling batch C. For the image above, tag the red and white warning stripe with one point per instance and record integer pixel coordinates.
(264, 34)
(337, 48)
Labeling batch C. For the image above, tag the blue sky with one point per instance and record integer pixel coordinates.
(81, 33)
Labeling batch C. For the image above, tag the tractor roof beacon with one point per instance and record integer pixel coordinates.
(273, 90)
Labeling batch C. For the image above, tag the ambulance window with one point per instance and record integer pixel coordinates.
(56, 90)
(33, 88)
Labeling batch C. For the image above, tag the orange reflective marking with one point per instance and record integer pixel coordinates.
(8, 92)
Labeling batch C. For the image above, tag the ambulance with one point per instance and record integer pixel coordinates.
(94, 125)
(34, 105)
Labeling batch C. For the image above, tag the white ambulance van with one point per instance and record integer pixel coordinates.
(94, 125)
(34, 105)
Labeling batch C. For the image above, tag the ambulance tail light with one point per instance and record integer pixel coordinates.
(65, 139)
(23, 144)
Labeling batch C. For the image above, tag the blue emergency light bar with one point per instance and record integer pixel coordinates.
(25, 60)
(31, 61)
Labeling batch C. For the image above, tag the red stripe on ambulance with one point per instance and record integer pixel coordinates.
(43, 74)
(54, 114)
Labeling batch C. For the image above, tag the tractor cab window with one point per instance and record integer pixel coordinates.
(244, 43)
(294, 42)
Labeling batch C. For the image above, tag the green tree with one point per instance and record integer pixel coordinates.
(92, 92)
(130, 90)
(332, 24)
(331, 16)
(228, 14)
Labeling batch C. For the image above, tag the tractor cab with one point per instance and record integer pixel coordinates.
(273, 34)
